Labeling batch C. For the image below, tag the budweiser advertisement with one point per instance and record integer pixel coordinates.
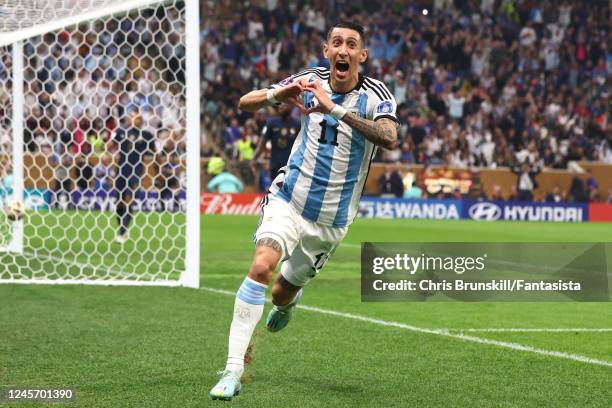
(236, 204)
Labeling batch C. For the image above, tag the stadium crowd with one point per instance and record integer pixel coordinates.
(478, 83)
(83, 82)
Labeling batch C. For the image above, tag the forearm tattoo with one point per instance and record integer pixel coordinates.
(382, 132)
(269, 242)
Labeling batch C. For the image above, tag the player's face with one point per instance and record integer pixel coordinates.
(345, 52)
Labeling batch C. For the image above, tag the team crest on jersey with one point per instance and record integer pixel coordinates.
(286, 81)
(384, 107)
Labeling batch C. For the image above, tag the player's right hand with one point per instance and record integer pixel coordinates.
(291, 94)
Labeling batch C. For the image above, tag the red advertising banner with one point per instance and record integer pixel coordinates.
(236, 204)
(600, 212)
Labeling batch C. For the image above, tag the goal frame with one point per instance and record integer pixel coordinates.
(190, 277)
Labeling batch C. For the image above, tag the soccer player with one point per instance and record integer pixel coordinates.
(281, 131)
(345, 117)
(133, 144)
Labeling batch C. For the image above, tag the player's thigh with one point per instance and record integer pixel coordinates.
(279, 223)
(317, 245)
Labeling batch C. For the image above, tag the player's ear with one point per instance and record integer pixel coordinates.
(363, 55)
(325, 50)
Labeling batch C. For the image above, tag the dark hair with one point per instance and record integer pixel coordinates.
(350, 25)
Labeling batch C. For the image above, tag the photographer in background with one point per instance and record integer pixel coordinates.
(526, 182)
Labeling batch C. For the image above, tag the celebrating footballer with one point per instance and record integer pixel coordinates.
(345, 117)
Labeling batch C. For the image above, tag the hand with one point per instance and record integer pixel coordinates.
(290, 94)
(294, 89)
(325, 104)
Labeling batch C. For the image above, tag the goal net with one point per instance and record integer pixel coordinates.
(99, 139)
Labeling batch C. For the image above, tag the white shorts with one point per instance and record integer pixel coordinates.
(306, 245)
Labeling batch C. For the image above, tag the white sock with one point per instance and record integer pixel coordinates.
(248, 309)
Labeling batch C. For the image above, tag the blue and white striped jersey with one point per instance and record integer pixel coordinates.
(329, 161)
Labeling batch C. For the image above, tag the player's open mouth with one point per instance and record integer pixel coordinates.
(342, 67)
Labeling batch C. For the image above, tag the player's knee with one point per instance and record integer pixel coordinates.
(261, 271)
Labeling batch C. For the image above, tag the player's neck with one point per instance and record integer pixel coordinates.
(343, 87)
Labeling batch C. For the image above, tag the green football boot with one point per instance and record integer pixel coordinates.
(278, 319)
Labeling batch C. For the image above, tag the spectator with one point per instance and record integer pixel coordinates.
(273, 50)
(528, 36)
(455, 105)
(264, 177)
(414, 191)
(513, 194)
(526, 181)
(592, 187)
(222, 181)
(554, 196)
(578, 190)
(232, 135)
(390, 183)
(171, 184)
(496, 194)
(62, 164)
(225, 183)
(7, 182)
(103, 174)
(245, 150)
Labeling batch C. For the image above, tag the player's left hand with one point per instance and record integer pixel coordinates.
(295, 101)
(325, 104)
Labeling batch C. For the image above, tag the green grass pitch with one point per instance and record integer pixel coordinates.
(161, 347)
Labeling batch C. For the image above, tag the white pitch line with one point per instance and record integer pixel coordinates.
(350, 245)
(530, 330)
(441, 332)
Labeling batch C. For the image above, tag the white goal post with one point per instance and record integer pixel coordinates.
(100, 138)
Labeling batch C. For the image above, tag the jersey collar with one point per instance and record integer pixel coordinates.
(357, 86)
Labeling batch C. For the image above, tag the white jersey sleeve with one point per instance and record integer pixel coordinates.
(381, 103)
(321, 73)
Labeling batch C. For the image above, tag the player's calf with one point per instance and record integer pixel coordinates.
(283, 291)
(285, 296)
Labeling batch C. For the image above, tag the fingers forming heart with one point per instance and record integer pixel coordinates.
(314, 109)
(294, 101)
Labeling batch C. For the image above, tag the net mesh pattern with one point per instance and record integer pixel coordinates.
(19, 14)
(104, 128)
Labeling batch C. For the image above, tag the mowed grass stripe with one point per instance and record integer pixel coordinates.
(440, 332)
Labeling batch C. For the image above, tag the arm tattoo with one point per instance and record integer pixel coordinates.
(269, 242)
(382, 132)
